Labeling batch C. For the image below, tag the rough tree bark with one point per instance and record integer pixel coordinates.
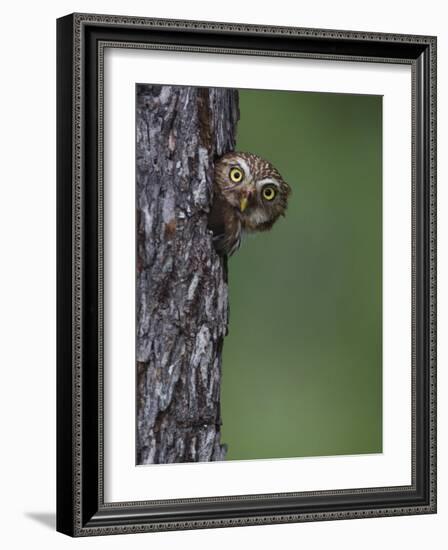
(181, 298)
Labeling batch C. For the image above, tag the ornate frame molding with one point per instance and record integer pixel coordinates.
(81, 42)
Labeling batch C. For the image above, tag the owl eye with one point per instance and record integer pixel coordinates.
(269, 193)
(236, 174)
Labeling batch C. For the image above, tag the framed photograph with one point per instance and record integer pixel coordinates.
(246, 274)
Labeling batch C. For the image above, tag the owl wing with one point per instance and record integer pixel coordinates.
(225, 225)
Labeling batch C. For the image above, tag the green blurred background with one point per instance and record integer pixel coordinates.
(302, 365)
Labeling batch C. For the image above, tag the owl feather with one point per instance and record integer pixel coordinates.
(249, 195)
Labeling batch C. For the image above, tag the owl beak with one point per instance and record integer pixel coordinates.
(243, 203)
(244, 200)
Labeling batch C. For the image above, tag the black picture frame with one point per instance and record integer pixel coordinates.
(81, 510)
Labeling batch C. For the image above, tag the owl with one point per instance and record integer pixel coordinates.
(249, 195)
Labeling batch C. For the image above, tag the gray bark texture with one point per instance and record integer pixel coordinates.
(182, 294)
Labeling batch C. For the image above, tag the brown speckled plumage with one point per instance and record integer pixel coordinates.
(242, 206)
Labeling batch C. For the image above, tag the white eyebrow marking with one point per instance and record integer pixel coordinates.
(267, 180)
(243, 164)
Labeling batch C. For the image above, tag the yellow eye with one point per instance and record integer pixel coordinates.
(236, 174)
(269, 193)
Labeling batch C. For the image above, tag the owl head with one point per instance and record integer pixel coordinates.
(253, 187)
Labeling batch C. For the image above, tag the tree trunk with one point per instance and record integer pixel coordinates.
(181, 297)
